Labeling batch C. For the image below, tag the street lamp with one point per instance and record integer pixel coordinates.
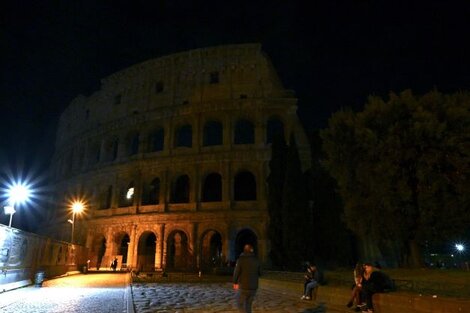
(77, 207)
(18, 193)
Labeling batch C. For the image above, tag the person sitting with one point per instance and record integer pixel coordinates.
(311, 281)
(375, 281)
(356, 289)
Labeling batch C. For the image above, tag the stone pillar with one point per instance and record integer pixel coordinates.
(159, 247)
(131, 255)
(162, 242)
(194, 247)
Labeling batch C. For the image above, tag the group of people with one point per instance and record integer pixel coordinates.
(368, 280)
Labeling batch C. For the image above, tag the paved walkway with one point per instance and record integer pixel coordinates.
(101, 293)
(215, 298)
(109, 292)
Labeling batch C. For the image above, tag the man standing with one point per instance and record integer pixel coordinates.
(245, 278)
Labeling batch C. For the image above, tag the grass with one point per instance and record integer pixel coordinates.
(444, 282)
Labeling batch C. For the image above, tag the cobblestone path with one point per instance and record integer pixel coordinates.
(214, 298)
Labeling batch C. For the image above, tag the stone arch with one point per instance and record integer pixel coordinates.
(212, 133)
(111, 149)
(146, 251)
(178, 256)
(132, 143)
(105, 197)
(122, 241)
(244, 186)
(244, 132)
(212, 188)
(180, 189)
(127, 194)
(156, 140)
(274, 127)
(184, 136)
(245, 236)
(211, 250)
(98, 248)
(151, 194)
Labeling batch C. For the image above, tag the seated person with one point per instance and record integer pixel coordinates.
(374, 281)
(311, 281)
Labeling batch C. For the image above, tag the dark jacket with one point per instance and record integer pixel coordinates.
(247, 272)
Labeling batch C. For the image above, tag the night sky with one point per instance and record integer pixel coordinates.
(333, 54)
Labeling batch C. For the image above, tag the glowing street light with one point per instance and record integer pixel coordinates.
(17, 193)
(460, 247)
(77, 207)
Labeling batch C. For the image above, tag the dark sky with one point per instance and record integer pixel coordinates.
(332, 53)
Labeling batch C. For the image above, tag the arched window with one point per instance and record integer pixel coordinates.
(212, 188)
(152, 192)
(180, 192)
(183, 136)
(114, 149)
(133, 144)
(157, 140)
(244, 132)
(107, 198)
(244, 186)
(275, 127)
(213, 134)
(127, 196)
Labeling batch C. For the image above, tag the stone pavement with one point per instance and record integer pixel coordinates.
(101, 293)
(216, 298)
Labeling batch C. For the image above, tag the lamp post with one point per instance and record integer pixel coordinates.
(77, 207)
(17, 194)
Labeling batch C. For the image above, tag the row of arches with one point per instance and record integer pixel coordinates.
(176, 253)
(152, 192)
(134, 142)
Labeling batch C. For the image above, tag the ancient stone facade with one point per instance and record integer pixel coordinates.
(171, 157)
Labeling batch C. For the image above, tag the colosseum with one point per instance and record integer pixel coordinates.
(171, 158)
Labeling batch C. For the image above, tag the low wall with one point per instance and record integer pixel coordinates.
(23, 254)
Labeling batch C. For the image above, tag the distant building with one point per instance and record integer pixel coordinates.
(171, 157)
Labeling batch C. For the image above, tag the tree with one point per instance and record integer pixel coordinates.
(402, 168)
(332, 245)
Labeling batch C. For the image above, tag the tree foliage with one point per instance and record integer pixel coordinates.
(402, 167)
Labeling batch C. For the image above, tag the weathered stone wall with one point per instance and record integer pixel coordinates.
(171, 157)
(22, 254)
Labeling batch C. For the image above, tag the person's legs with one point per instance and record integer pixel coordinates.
(241, 301)
(310, 287)
(249, 300)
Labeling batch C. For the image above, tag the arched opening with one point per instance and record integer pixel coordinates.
(245, 236)
(146, 252)
(178, 256)
(98, 249)
(180, 192)
(152, 193)
(244, 132)
(157, 140)
(212, 134)
(105, 198)
(123, 248)
(133, 143)
(275, 127)
(212, 188)
(183, 136)
(244, 186)
(126, 197)
(211, 250)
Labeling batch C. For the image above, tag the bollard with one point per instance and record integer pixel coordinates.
(84, 269)
(39, 278)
